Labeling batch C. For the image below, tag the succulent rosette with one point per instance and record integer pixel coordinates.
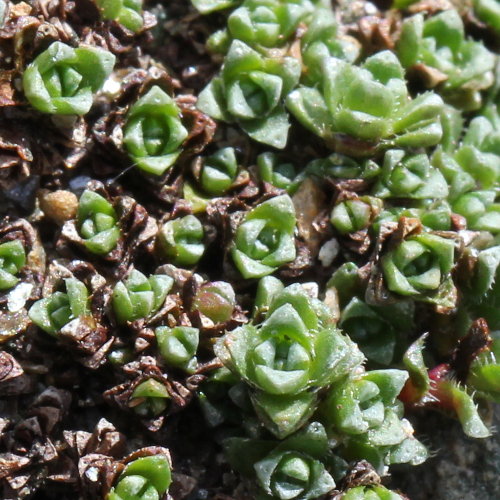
(54, 312)
(474, 164)
(218, 171)
(264, 24)
(368, 103)
(462, 68)
(72, 311)
(409, 176)
(322, 40)
(97, 223)
(62, 80)
(145, 477)
(126, 12)
(178, 346)
(288, 473)
(294, 352)
(419, 267)
(181, 240)
(154, 133)
(479, 147)
(292, 469)
(12, 259)
(365, 410)
(108, 229)
(250, 91)
(365, 402)
(138, 296)
(265, 238)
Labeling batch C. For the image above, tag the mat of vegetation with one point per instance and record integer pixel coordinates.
(249, 249)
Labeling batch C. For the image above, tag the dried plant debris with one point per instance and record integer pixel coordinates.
(246, 246)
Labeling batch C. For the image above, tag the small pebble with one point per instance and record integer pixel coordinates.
(60, 206)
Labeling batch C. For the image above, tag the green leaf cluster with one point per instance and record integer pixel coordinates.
(250, 92)
(62, 80)
(218, 171)
(153, 134)
(52, 313)
(149, 398)
(439, 43)
(178, 346)
(409, 176)
(12, 259)
(265, 238)
(288, 357)
(97, 223)
(280, 174)
(181, 240)
(370, 103)
(366, 415)
(349, 216)
(292, 469)
(138, 296)
(145, 478)
(420, 267)
(263, 24)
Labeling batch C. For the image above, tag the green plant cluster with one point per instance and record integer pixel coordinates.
(181, 240)
(297, 366)
(265, 238)
(143, 478)
(62, 80)
(97, 223)
(279, 173)
(464, 67)
(258, 73)
(219, 171)
(54, 312)
(138, 297)
(388, 201)
(12, 259)
(428, 170)
(154, 133)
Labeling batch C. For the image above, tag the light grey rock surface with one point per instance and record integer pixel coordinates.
(461, 468)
